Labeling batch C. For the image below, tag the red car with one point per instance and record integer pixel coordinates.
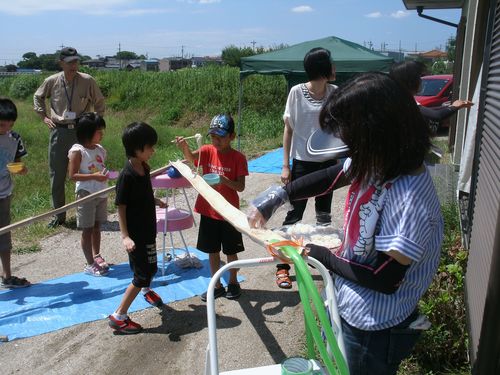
(435, 91)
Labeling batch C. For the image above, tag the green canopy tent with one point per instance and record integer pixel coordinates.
(349, 58)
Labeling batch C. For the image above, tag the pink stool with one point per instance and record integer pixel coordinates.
(177, 220)
(172, 219)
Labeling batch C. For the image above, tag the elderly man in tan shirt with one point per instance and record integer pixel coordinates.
(71, 93)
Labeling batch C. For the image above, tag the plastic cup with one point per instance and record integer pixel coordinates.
(296, 366)
(112, 175)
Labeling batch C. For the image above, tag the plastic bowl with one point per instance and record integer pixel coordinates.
(211, 178)
(15, 167)
(112, 175)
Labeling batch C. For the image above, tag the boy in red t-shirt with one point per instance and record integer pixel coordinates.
(214, 232)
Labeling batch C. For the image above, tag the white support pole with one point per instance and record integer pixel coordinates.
(212, 368)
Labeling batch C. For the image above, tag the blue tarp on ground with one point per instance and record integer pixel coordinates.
(267, 163)
(79, 298)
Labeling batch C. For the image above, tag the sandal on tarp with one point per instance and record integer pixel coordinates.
(14, 282)
(283, 279)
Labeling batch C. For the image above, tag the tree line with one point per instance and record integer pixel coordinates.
(231, 55)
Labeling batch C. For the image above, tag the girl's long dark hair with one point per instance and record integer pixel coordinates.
(407, 74)
(380, 123)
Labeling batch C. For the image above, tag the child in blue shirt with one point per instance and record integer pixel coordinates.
(11, 150)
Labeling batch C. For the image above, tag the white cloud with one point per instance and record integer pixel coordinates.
(400, 14)
(374, 15)
(302, 9)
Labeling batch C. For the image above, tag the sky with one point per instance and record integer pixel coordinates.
(166, 28)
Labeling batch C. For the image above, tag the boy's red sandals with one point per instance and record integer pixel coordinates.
(126, 327)
(283, 279)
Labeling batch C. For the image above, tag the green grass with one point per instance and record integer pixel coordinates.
(175, 103)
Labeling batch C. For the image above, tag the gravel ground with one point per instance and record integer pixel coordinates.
(263, 327)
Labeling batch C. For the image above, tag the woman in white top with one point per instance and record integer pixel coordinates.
(301, 119)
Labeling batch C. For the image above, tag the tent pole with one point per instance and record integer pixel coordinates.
(240, 100)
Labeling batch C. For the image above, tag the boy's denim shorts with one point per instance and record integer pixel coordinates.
(5, 239)
(91, 211)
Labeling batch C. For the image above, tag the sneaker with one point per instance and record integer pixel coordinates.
(95, 270)
(127, 326)
(153, 298)
(233, 291)
(101, 262)
(218, 292)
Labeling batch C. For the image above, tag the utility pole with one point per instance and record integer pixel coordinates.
(182, 52)
(253, 42)
(119, 54)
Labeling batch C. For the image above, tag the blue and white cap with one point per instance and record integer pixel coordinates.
(221, 125)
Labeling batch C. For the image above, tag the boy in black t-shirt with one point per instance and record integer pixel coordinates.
(137, 218)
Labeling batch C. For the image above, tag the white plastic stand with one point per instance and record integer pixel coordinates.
(211, 358)
(172, 219)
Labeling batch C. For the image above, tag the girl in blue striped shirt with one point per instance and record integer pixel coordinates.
(393, 226)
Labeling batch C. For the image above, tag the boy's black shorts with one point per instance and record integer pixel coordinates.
(143, 263)
(213, 233)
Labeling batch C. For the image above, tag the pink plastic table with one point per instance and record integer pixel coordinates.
(163, 181)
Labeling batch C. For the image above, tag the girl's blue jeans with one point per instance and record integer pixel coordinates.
(378, 352)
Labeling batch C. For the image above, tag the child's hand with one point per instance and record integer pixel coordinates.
(223, 180)
(160, 203)
(255, 218)
(181, 142)
(24, 170)
(129, 244)
(99, 176)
